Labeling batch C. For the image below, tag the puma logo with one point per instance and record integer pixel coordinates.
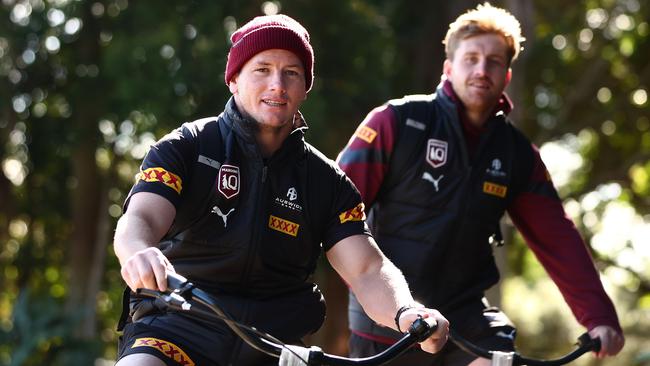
(503, 334)
(429, 177)
(224, 217)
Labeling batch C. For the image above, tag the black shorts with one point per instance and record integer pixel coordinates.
(485, 326)
(180, 340)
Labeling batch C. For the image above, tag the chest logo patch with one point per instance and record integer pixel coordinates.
(366, 133)
(169, 179)
(356, 213)
(435, 181)
(495, 189)
(292, 194)
(228, 184)
(437, 152)
(283, 226)
(223, 215)
(495, 169)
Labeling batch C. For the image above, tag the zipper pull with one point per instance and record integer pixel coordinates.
(264, 169)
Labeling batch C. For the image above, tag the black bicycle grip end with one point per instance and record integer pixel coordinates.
(422, 328)
(175, 281)
(589, 343)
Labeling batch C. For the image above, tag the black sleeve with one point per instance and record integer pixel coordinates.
(166, 168)
(346, 215)
(340, 212)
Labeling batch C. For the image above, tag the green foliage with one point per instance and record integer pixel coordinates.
(40, 334)
(87, 86)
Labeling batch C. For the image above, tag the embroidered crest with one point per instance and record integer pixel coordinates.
(229, 180)
(436, 153)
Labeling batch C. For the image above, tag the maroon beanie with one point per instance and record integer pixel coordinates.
(269, 32)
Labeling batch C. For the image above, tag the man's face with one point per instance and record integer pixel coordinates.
(270, 87)
(479, 71)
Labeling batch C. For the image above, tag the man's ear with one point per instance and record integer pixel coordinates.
(232, 85)
(508, 76)
(446, 68)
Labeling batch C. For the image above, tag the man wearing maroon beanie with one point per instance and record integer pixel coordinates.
(242, 206)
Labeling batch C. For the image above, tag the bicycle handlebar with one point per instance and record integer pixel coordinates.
(584, 344)
(181, 295)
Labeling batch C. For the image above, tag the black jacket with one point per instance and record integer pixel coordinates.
(437, 207)
(247, 226)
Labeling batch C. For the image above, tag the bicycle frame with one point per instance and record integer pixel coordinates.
(182, 296)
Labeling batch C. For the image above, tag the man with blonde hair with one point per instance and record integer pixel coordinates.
(437, 172)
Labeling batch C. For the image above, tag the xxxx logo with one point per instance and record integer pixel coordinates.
(166, 348)
(354, 214)
(283, 226)
(495, 189)
(366, 133)
(157, 174)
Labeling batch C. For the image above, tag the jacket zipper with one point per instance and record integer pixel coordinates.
(256, 229)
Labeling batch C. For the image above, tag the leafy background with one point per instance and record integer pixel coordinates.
(87, 86)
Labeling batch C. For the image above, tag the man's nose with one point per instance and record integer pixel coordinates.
(481, 67)
(277, 82)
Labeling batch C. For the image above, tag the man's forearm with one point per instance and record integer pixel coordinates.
(132, 234)
(382, 292)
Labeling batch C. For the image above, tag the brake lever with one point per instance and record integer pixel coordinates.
(172, 300)
(179, 291)
(177, 282)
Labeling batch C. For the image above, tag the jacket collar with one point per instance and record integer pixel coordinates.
(244, 130)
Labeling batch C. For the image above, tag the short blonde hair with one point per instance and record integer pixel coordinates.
(485, 19)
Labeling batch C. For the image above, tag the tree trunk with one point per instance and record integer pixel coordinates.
(523, 11)
(87, 248)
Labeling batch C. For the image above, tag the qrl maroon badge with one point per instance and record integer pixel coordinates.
(228, 184)
(437, 153)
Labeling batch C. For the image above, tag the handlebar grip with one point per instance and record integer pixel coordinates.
(422, 328)
(432, 322)
(175, 281)
(589, 343)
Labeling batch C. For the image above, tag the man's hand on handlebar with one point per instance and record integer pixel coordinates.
(147, 269)
(611, 342)
(437, 340)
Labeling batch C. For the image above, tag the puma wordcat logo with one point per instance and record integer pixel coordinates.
(224, 216)
(430, 178)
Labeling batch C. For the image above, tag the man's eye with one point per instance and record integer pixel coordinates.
(497, 61)
(471, 60)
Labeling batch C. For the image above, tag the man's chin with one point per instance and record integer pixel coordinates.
(273, 124)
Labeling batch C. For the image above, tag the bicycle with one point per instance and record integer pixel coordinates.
(183, 296)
